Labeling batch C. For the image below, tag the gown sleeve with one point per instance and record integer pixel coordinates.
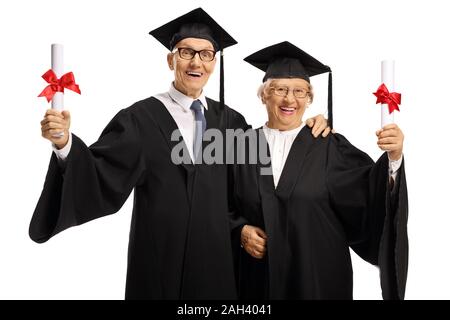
(373, 214)
(95, 181)
(235, 121)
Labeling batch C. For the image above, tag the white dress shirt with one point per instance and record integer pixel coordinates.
(179, 107)
(280, 143)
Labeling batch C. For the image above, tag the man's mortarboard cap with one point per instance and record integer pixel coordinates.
(194, 24)
(284, 60)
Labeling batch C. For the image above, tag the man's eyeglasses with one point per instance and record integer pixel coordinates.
(189, 53)
(284, 91)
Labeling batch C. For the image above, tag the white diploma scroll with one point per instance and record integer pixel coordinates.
(387, 77)
(58, 69)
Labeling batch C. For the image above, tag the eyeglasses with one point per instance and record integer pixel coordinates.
(284, 91)
(189, 53)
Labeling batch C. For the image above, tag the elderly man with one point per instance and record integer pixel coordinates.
(179, 245)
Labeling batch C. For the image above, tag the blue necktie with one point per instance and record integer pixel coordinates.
(200, 126)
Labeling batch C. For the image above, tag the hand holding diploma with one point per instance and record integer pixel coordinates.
(390, 139)
(56, 122)
(55, 127)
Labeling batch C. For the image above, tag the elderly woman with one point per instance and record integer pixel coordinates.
(298, 215)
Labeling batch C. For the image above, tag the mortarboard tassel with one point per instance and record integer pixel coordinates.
(222, 93)
(330, 100)
(223, 123)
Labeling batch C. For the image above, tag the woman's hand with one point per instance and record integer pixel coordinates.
(390, 139)
(55, 123)
(253, 240)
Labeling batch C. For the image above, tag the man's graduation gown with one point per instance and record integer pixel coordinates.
(179, 246)
(330, 196)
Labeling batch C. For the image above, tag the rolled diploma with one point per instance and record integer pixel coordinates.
(58, 69)
(387, 77)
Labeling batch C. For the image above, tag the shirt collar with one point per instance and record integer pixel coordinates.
(183, 100)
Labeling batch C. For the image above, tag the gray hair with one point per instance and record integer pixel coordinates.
(263, 90)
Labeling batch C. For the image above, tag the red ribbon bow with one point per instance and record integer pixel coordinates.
(57, 85)
(392, 99)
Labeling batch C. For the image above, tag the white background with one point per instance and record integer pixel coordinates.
(116, 63)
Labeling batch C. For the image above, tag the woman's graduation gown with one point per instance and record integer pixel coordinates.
(330, 196)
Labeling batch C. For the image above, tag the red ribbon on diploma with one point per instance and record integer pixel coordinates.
(57, 85)
(392, 99)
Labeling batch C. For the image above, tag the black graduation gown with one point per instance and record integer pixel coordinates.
(179, 245)
(330, 196)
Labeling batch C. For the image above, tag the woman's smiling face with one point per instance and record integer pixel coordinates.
(286, 101)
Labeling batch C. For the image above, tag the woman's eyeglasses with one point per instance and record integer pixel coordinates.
(284, 91)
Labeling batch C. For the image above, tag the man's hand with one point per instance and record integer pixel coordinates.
(390, 139)
(55, 123)
(253, 240)
(319, 125)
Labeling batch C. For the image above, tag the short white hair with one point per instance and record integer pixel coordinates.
(263, 90)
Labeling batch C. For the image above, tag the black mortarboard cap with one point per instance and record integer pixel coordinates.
(196, 24)
(284, 60)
